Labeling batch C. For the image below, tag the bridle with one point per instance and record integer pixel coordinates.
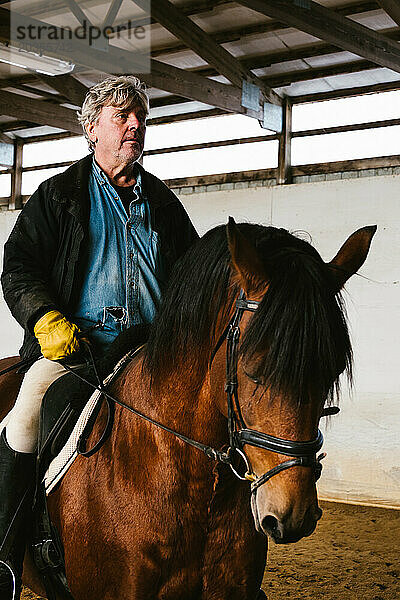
(301, 453)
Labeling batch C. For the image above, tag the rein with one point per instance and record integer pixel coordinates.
(301, 453)
(208, 450)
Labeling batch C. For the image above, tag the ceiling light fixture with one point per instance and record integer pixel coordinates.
(19, 57)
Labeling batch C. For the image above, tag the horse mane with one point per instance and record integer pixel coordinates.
(298, 337)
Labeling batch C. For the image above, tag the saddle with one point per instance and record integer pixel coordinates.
(61, 408)
(67, 396)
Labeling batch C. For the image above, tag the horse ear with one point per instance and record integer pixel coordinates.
(351, 255)
(245, 259)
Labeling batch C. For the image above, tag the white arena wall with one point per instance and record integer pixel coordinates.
(362, 442)
(10, 332)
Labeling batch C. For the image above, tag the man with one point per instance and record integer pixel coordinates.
(96, 242)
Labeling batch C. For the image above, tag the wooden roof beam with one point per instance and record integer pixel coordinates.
(77, 12)
(22, 79)
(17, 125)
(260, 61)
(193, 86)
(37, 111)
(392, 8)
(162, 76)
(286, 79)
(195, 9)
(238, 32)
(67, 86)
(390, 86)
(203, 44)
(5, 139)
(331, 27)
(111, 13)
(191, 8)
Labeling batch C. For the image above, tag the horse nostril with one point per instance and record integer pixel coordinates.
(313, 514)
(270, 524)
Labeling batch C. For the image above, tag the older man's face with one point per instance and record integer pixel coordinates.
(119, 133)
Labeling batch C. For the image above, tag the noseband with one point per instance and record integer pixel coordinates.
(301, 453)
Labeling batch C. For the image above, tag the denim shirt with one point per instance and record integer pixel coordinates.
(124, 278)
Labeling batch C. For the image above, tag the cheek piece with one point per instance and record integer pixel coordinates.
(301, 453)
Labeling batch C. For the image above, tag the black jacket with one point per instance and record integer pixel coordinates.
(44, 257)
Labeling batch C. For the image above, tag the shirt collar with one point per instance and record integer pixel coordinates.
(103, 179)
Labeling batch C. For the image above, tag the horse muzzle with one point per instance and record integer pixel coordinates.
(283, 526)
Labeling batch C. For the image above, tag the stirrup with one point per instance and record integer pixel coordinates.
(49, 562)
(47, 551)
(16, 584)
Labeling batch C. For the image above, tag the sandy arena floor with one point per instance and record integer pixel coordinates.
(353, 555)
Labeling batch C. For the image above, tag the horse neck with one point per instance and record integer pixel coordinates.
(182, 401)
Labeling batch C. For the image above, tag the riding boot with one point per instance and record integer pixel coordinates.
(17, 474)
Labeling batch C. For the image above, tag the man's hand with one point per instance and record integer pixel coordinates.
(58, 338)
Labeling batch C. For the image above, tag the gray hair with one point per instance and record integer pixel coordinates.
(124, 92)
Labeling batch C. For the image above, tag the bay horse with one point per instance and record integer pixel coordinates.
(152, 517)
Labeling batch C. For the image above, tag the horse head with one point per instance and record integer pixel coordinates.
(293, 349)
(275, 291)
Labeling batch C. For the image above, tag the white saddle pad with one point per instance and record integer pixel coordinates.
(62, 462)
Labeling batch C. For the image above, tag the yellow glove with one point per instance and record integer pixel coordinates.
(57, 337)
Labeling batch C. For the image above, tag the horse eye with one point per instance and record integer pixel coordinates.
(253, 378)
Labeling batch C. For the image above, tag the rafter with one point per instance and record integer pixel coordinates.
(252, 62)
(77, 12)
(200, 114)
(389, 86)
(111, 13)
(22, 79)
(162, 76)
(39, 93)
(192, 8)
(5, 139)
(242, 31)
(202, 44)
(199, 8)
(37, 111)
(17, 125)
(331, 27)
(286, 79)
(67, 86)
(392, 8)
(261, 61)
(190, 85)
